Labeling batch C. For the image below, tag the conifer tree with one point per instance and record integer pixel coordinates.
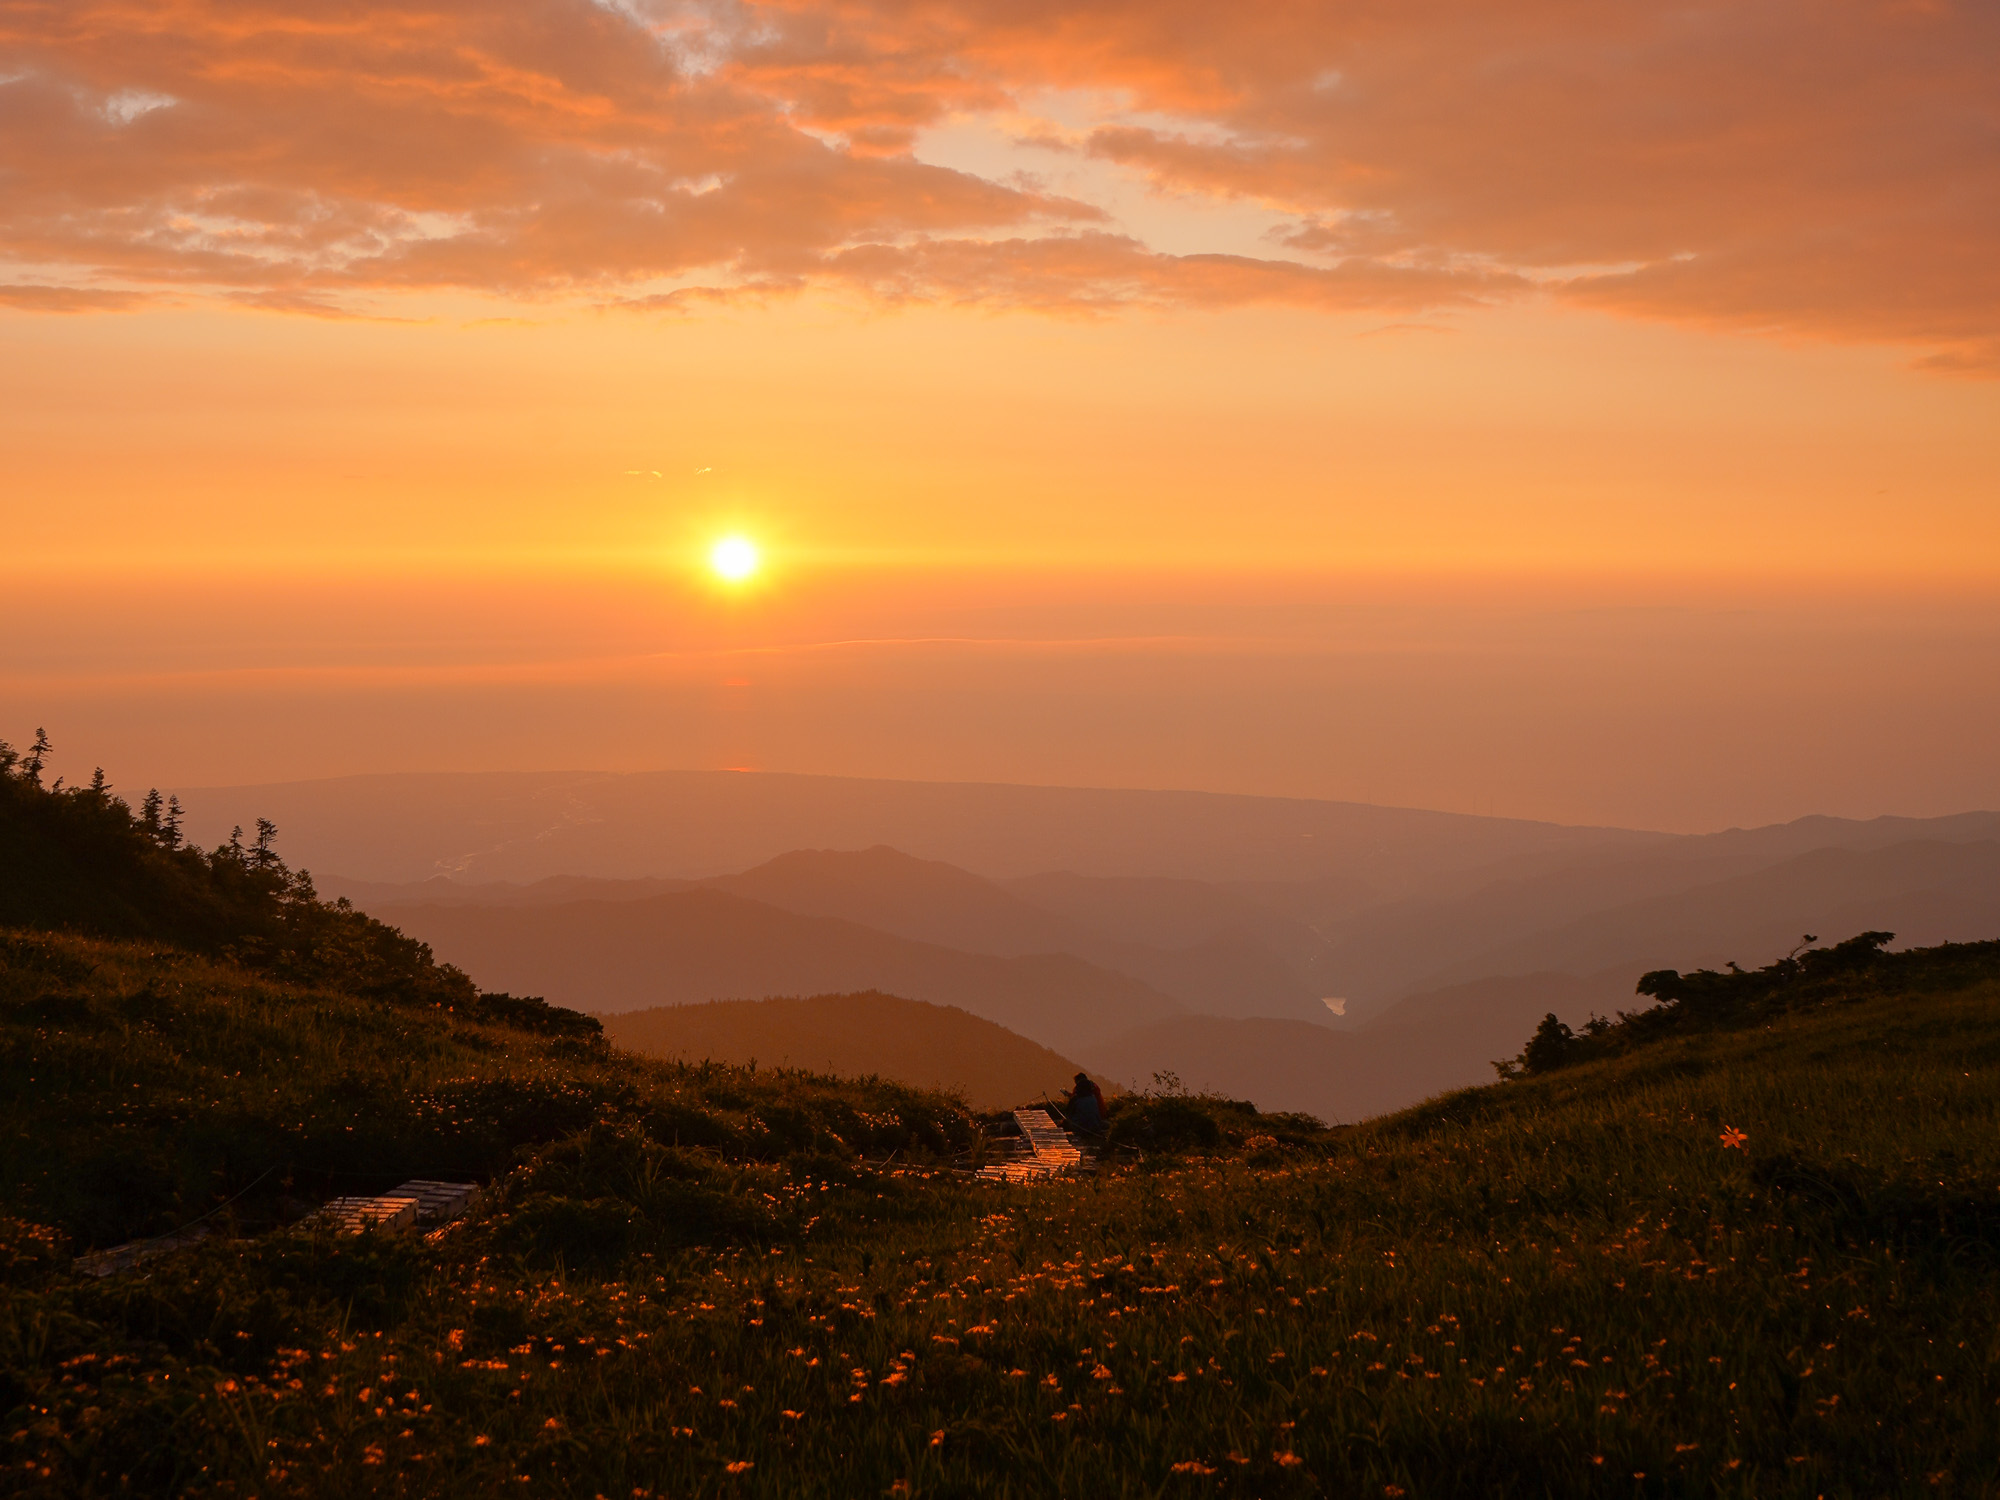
(149, 812)
(170, 827)
(263, 856)
(31, 766)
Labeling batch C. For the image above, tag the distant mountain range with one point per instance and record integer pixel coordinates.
(855, 1036)
(1215, 938)
(522, 826)
(612, 956)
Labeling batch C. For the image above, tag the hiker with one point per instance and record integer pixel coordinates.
(1086, 1106)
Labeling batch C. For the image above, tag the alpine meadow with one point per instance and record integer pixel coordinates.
(1739, 1243)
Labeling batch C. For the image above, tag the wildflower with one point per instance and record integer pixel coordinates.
(554, 1424)
(937, 1438)
(741, 1466)
(1176, 1379)
(1287, 1460)
(1102, 1372)
(481, 1441)
(1192, 1466)
(794, 1415)
(1732, 1137)
(1393, 1491)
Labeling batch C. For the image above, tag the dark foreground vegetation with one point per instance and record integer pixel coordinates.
(1749, 1259)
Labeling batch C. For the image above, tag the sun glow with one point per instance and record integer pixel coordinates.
(734, 558)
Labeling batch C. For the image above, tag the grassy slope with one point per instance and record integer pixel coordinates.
(909, 1041)
(1563, 1286)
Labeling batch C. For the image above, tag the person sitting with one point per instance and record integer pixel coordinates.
(1085, 1110)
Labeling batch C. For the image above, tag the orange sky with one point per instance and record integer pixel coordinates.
(1278, 338)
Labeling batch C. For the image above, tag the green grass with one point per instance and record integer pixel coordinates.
(683, 1279)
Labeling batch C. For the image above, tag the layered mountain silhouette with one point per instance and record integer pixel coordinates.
(522, 826)
(612, 956)
(1213, 953)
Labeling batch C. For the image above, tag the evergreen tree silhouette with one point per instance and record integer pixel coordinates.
(31, 765)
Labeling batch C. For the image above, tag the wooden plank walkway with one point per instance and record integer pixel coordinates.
(419, 1201)
(1049, 1151)
(137, 1252)
(385, 1214)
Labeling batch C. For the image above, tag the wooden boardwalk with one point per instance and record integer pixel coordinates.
(418, 1202)
(1047, 1150)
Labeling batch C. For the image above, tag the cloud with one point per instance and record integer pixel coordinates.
(1828, 169)
(30, 297)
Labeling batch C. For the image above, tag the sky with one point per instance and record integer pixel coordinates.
(1554, 410)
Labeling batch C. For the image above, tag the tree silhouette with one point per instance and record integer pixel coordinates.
(262, 856)
(31, 764)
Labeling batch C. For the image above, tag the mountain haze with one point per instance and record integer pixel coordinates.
(708, 945)
(522, 826)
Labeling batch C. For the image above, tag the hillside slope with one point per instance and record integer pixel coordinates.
(1738, 1262)
(905, 1041)
(708, 945)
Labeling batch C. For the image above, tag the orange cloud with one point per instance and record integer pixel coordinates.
(1828, 170)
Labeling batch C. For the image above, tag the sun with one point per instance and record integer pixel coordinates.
(734, 558)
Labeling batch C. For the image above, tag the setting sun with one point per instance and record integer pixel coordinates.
(733, 558)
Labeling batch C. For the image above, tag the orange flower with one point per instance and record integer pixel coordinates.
(1732, 1137)
(1192, 1466)
(742, 1465)
(1287, 1460)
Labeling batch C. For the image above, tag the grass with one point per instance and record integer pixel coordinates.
(689, 1282)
